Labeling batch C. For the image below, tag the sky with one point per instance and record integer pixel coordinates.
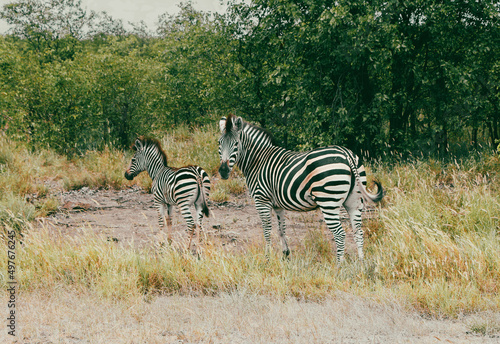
(137, 10)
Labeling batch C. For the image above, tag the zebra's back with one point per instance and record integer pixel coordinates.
(298, 181)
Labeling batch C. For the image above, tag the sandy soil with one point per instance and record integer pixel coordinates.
(128, 216)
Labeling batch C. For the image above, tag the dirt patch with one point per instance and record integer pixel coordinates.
(129, 217)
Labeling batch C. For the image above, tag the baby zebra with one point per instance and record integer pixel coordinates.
(182, 187)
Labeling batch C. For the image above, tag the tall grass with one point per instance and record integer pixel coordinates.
(439, 237)
(223, 190)
(20, 172)
(48, 260)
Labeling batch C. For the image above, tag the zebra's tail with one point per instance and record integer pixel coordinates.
(201, 193)
(375, 198)
(205, 210)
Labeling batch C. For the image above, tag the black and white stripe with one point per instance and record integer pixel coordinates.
(183, 187)
(280, 179)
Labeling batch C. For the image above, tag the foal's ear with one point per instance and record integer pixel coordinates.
(222, 124)
(137, 145)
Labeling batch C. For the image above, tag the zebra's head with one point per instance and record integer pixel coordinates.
(229, 144)
(138, 163)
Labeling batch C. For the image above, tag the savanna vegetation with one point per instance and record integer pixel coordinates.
(433, 245)
(412, 85)
(412, 77)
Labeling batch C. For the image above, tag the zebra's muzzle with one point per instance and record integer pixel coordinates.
(128, 175)
(224, 170)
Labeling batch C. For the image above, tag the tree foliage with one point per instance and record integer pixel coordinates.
(371, 74)
(409, 76)
(113, 84)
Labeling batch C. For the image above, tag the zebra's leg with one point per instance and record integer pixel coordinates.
(188, 217)
(264, 210)
(161, 214)
(354, 206)
(168, 220)
(199, 221)
(164, 218)
(331, 215)
(280, 214)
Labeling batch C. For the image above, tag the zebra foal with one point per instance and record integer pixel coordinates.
(182, 187)
(279, 179)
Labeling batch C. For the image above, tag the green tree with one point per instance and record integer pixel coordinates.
(50, 28)
(11, 63)
(126, 88)
(432, 80)
(310, 70)
(200, 71)
(374, 75)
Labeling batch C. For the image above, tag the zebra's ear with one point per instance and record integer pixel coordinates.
(137, 145)
(238, 123)
(222, 124)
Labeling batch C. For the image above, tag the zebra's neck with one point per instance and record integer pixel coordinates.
(154, 163)
(254, 143)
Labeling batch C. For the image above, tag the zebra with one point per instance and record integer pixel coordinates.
(181, 187)
(280, 179)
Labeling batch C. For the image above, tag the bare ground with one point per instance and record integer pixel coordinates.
(128, 216)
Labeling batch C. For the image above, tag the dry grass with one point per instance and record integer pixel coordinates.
(86, 262)
(193, 146)
(223, 190)
(439, 238)
(27, 178)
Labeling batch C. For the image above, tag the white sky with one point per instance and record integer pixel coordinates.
(137, 10)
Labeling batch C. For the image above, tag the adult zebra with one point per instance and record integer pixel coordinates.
(282, 180)
(182, 187)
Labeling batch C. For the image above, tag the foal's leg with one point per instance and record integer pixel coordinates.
(165, 218)
(169, 222)
(199, 220)
(188, 217)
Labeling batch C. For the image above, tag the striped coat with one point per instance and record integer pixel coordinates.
(280, 180)
(182, 187)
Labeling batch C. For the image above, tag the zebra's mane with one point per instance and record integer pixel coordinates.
(265, 132)
(148, 141)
